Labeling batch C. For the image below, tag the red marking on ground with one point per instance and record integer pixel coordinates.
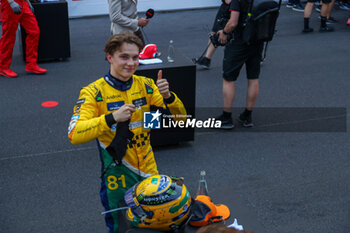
(49, 104)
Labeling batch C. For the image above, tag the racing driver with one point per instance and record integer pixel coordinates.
(111, 110)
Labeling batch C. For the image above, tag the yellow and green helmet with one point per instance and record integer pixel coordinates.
(158, 202)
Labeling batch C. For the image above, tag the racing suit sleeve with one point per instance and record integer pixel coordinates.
(173, 104)
(116, 16)
(86, 124)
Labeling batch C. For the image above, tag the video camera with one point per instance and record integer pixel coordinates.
(214, 39)
(221, 22)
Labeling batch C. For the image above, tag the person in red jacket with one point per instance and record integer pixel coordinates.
(14, 12)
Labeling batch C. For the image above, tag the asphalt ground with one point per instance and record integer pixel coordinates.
(274, 182)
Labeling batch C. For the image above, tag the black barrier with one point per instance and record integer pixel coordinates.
(181, 75)
(54, 42)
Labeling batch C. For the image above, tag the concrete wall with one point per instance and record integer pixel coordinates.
(79, 8)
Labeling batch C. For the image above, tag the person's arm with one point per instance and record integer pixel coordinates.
(15, 7)
(229, 27)
(163, 97)
(163, 86)
(86, 124)
(116, 16)
(232, 23)
(30, 6)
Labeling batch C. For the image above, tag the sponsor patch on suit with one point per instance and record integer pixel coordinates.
(114, 105)
(139, 102)
(80, 101)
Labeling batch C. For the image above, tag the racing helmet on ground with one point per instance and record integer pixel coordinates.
(158, 202)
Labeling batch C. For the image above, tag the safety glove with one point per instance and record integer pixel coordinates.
(15, 7)
(118, 146)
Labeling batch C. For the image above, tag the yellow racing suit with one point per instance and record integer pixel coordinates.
(92, 119)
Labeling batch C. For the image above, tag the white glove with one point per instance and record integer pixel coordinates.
(15, 7)
(236, 226)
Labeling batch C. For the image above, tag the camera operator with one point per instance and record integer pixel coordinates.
(237, 53)
(220, 21)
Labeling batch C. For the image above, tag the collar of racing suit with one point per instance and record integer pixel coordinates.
(118, 84)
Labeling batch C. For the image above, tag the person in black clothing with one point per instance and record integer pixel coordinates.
(326, 8)
(223, 12)
(237, 53)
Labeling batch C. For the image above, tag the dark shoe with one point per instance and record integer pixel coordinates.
(226, 123)
(298, 7)
(8, 73)
(35, 69)
(289, 5)
(307, 30)
(332, 20)
(245, 120)
(203, 62)
(344, 6)
(326, 29)
(318, 8)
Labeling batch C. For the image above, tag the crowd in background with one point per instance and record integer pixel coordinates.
(325, 9)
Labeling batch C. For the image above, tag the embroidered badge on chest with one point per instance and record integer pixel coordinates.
(99, 97)
(149, 89)
(80, 101)
(114, 105)
(139, 102)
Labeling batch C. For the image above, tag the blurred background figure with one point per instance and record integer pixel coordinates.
(123, 16)
(295, 5)
(219, 23)
(325, 10)
(14, 13)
